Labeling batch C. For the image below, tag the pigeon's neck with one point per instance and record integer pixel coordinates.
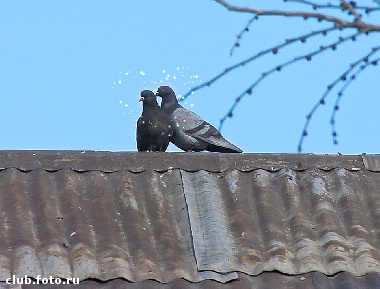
(169, 105)
(148, 106)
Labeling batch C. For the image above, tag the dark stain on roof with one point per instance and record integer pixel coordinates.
(190, 220)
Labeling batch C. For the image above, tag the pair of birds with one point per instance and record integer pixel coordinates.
(157, 126)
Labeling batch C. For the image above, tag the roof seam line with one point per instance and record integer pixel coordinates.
(188, 218)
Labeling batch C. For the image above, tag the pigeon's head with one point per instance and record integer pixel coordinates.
(148, 97)
(165, 91)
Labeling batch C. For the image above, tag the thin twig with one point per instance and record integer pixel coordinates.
(340, 93)
(308, 57)
(240, 35)
(322, 100)
(273, 50)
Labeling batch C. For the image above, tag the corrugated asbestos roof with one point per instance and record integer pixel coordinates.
(191, 220)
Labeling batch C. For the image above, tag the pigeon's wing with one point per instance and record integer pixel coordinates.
(193, 125)
(140, 134)
(185, 119)
(163, 130)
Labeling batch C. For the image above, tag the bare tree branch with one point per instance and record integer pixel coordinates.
(273, 50)
(345, 5)
(306, 15)
(349, 9)
(307, 57)
(340, 95)
(316, 6)
(322, 100)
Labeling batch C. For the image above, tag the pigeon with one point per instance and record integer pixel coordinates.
(154, 127)
(191, 132)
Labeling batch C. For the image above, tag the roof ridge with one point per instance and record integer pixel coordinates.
(82, 161)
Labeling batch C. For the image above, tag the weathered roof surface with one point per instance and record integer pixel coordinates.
(176, 220)
(82, 161)
(267, 280)
(372, 162)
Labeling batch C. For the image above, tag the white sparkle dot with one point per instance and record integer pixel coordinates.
(119, 82)
(163, 71)
(174, 77)
(126, 105)
(196, 76)
(126, 73)
(178, 68)
(192, 105)
(120, 101)
(142, 72)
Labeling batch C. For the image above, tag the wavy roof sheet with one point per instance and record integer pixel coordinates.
(139, 219)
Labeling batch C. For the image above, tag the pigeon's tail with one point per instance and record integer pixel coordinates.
(215, 141)
(227, 148)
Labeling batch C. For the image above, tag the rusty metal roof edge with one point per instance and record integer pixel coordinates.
(135, 162)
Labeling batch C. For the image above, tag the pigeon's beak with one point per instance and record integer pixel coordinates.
(141, 99)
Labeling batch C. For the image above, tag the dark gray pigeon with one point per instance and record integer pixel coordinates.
(191, 132)
(154, 127)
